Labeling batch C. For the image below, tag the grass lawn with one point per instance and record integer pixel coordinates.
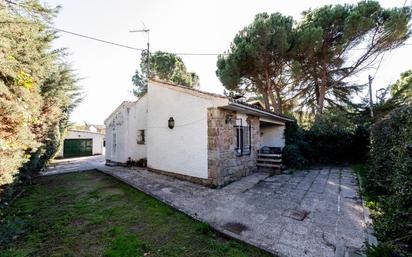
(92, 214)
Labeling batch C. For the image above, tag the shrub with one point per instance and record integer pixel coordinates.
(293, 157)
(336, 138)
(333, 138)
(389, 177)
(296, 153)
(381, 250)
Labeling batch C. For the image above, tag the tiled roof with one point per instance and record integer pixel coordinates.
(188, 88)
(261, 109)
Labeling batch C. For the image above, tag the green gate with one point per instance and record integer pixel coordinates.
(77, 147)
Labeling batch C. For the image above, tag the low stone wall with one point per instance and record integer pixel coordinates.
(224, 165)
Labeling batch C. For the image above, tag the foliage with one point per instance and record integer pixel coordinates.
(258, 58)
(165, 66)
(37, 88)
(325, 39)
(99, 215)
(10, 228)
(334, 138)
(292, 156)
(392, 97)
(389, 177)
(296, 153)
(380, 250)
(402, 88)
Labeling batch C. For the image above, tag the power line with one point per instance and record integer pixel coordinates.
(139, 49)
(205, 54)
(77, 34)
(71, 32)
(97, 39)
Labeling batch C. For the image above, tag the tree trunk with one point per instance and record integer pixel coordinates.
(266, 101)
(279, 101)
(262, 91)
(320, 101)
(269, 92)
(273, 100)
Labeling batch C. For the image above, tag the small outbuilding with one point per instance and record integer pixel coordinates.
(195, 135)
(79, 143)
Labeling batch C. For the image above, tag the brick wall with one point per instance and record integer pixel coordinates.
(224, 166)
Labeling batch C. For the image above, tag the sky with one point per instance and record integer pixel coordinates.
(207, 26)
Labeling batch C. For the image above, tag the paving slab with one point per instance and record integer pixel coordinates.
(315, 212)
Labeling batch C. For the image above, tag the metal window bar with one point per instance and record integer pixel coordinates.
(243, 138)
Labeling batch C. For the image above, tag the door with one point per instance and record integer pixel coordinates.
(77, 147)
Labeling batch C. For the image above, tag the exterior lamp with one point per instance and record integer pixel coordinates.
(228, 118)
(171, 123)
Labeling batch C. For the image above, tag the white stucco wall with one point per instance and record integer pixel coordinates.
(272, 136)
(183, 149)
(116, 125)
(124, 123)
(97, 140)
(137, 121)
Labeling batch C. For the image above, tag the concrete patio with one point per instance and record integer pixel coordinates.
(308, 213)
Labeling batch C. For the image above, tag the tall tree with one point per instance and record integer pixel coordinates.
(258, 59)
(165, 66)
(325, 40)
(37, 88)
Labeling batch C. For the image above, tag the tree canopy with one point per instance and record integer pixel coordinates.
(165, 66)
(38, 88)
(326, 38)
(257, 59)
(309, 63)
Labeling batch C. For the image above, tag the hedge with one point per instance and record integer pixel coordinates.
(389, 178)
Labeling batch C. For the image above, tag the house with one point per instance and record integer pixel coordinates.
(190, 134)
(96, 128)
(81, 143)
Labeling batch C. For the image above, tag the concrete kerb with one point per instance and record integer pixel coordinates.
(372, 240)
(194, 216)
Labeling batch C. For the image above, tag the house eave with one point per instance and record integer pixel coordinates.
(85, 131)
(255, 111)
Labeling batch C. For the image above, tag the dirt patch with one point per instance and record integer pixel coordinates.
(235, 227)
(111, 191)
(296, 214)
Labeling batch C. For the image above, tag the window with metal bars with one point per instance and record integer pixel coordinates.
(243, 138)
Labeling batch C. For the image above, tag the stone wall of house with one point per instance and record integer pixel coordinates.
(224, 165)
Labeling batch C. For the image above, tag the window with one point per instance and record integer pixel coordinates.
(141, 137)
(243, 138)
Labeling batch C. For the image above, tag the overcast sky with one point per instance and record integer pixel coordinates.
(175, 26)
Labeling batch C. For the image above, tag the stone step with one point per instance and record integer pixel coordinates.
(269, 160)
